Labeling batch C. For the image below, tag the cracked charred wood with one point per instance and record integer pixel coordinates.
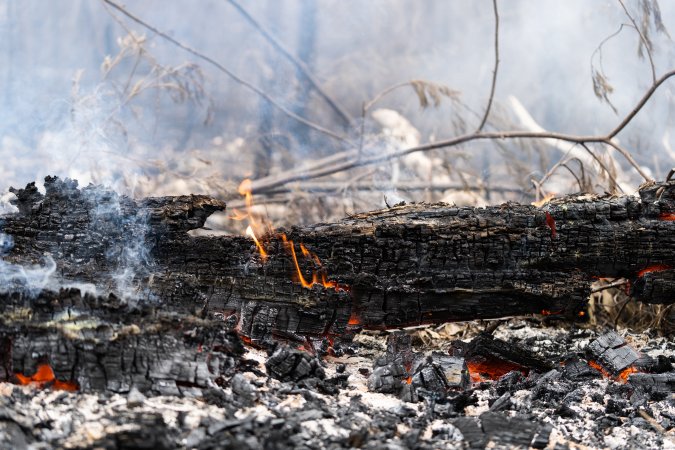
(403, 266)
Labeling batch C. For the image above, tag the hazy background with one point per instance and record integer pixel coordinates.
(80, 98)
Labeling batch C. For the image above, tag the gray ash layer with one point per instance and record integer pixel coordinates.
(311, 403)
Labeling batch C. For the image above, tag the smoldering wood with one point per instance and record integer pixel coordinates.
(404, 266)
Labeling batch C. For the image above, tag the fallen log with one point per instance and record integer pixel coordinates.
(81, 266)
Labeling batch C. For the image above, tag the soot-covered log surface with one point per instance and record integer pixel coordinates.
(113, 292)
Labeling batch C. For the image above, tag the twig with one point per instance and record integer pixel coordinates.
(351, 161)
(640, 104)
(299, 64)
(657, 426)
(228, 72)
(611, 285)
(642, 39)
(494, 72)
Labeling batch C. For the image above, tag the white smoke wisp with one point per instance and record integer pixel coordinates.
(30, 280)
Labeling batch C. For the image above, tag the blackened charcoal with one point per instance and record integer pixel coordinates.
(612, 352)
(502, 403)
(408, 393)
(140, 431)
(440, 373)
(505, 431)
(618, 407)
(542, 436)
(471, 430)
(660, 364)
(492, 348)
(455, 370)
(509, 382)
(654, 385)
(387, 378)
(399, 348)
(576, 369)
(243, 388)
(287, 364)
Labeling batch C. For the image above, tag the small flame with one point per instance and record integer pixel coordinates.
(354, 319)
(544, 200)
(667, 216)
(328, 284)
(43, 377)
(654, 268)
(260, 226)
(251, 234)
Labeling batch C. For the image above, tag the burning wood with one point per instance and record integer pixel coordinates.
(163, 313)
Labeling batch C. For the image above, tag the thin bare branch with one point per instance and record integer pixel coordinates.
(299, 64)
(228, 72)
(494, 71)
(645, 98)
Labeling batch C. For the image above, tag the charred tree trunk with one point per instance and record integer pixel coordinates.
(174, 294)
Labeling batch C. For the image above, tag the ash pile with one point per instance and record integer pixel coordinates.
(521, 385)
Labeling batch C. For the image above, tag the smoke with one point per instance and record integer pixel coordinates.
(28, 280)
(83, 99)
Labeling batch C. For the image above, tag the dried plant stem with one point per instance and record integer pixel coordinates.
(229, 73)
(494, 71)
(299, 64)
(349, 159)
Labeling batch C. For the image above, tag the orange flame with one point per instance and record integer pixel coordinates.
(259, 226)
(654, 268)
(667, 216)
(328, 284)
(544, 200)
(621, 378)
(354, 319)
(250, 233)
(43, 377)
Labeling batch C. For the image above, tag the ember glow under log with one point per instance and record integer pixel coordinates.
(406, 265)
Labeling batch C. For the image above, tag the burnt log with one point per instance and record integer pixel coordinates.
(81, 266)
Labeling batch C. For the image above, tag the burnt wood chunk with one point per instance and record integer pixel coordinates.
(488, 348)
(441, 373)
(661, 383)
(86, 272)
(612, 352)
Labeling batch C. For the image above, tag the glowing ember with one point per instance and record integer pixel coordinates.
(354, 319)
(544, 200)
(654, 268)
(44, 377)
(481, 369)
(667, 216)
(621, 378)
(546, 312)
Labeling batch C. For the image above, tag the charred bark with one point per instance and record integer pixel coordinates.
(402, 266)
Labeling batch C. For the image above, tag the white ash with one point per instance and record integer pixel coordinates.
(587, 414)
